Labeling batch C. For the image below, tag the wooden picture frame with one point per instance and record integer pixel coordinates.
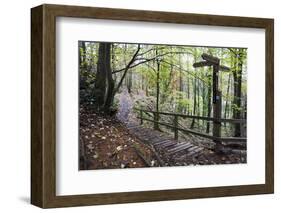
(43, 105)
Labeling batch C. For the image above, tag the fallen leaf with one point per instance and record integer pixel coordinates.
(119, 148)
(96, 155)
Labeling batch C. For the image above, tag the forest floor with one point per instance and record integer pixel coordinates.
(105, 143)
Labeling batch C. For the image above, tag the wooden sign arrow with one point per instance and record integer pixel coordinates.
(202, 64)
(210, 58)
(224, 68)
(207, 63)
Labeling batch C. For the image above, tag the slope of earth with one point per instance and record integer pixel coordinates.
(105, 143)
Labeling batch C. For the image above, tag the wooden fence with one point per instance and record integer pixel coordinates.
(155, 117)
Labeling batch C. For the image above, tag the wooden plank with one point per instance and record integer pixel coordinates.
(182, 116)
(194, 151)
(37, 108)
(241, 121)
(210, 58)
(161, 142)
(139, 153)
(161, 162)
(168, 144)
(223, 120)
(229, 139)
(193, 148)
(236, 144)
(224, 68)
(179, 148)
(202, 64)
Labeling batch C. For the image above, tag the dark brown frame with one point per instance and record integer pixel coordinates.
(43, 105)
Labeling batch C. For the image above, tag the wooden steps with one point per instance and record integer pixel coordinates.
(180, 148)
(165, 146)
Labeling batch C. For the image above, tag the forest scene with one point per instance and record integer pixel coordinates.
(153, 105)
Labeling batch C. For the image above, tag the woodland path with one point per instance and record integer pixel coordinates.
(169, 152)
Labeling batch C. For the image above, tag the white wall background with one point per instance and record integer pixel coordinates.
(15, 104)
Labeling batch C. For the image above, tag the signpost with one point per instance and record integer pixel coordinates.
(217, 103)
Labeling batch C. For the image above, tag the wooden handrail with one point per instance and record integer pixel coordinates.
(223, 120)
(176, 128)
(223, 139)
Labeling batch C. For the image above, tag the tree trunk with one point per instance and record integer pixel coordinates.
(82, 51)
(198, 102)
(227, 94)
(188, 95)
(129, 81)
(156, 125)
(110, 89)
(103, 67)
(180, 108)
(237, 80)
(194, 93)
(194, 103)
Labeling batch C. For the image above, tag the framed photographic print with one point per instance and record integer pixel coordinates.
(136, 106)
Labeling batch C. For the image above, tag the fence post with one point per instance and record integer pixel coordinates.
(156, 120)
(141, 120)
(176, 127)
(217, 122)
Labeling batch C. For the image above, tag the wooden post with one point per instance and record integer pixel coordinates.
(217, 122)
(215, 82)
(156, 120)
(216, 107)
(215, 62)
(217, 116)
(141, 120)
(176, 127)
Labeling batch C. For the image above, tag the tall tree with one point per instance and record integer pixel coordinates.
(82, 53)
(194, 91)
(237, 85)
(104, 83)
(156, 126)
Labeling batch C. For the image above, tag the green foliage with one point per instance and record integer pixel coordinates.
(182, 87)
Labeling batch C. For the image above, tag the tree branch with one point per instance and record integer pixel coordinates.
(195, 76)
(146, 60)
(126, 69)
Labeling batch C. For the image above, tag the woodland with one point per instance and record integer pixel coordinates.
(119, 80)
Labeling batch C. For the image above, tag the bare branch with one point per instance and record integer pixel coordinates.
(147, 60)
(126, 69)
(195, 76)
